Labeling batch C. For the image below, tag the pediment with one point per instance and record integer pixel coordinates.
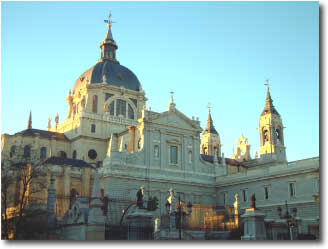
(175, 119)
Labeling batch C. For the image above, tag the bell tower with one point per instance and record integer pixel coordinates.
(210, 141)
(271, 132)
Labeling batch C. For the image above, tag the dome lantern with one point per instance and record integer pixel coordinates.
(108, 46)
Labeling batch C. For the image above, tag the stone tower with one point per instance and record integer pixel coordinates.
(242, 150)
(271, 132)
(210, 138)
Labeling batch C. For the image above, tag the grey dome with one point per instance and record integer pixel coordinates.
(110, 72)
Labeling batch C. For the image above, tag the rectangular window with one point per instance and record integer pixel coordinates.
(316, 185)
(224, 197)
(174, 154)
(244, 195)
(292, 189)
(121, 107)
(266, 193)
(93, 128)
(94, 103)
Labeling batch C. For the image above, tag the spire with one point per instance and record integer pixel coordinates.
(51, 202)
(209, 126)
(29, 122)
(108, 46)
(171, 104)
(96, 186)
(269, 108)
(96, 214)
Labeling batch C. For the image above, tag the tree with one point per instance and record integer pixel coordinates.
(23, 194)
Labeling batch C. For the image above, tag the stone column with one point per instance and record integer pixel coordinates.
(254, 228)
(67, 186)
(86, 174)
(96, 218)
(132, 132)
(51, 203)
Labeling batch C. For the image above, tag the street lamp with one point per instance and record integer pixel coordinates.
(178, 214)
(290, 219)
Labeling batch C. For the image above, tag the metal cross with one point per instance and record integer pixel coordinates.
(209, 106)
(109, 17)
(267, 82)
(172, 96)
(172, 93)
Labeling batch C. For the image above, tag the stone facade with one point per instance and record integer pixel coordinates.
(108, 126)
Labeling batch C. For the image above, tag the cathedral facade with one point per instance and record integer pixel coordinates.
(109, 130)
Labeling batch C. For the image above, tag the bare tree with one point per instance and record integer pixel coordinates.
(23, 194)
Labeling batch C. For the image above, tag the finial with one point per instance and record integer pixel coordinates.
(209, 107)
(172, 93)
(29, 122)
(57, 118)
(109, 21)
(49, 123)
(267, 83)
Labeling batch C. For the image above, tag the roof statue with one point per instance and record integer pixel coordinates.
(253, 199)
(140, 195)
(29, 122)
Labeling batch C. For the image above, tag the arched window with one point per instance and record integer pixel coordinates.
(43, 153)
(278, 135)
(74, 154)
(12, 150)
(61, 154)
(93, 128)
(27, 151)
(265, 136)
(130, 112)
(121, 107)
(94, 103)
(111, 108)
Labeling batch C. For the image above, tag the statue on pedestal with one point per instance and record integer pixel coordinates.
(140, 195)
(253, 199)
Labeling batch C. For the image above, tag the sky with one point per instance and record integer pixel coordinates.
(206, 52)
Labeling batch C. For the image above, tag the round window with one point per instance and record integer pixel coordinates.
(92, 154)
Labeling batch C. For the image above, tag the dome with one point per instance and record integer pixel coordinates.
(110, 72)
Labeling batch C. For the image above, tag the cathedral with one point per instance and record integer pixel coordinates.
(109, 145)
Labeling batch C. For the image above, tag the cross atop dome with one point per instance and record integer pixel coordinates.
(108, 46)
(209, 107)
(109, 21)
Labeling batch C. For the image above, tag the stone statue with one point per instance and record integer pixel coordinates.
(140, 195)
(69, 100)
(172, 200)
(57, 119)
(253, 199)
(156, 152)
(236, 198)
(49, 124)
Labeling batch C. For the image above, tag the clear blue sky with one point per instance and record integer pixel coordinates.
(218, 52)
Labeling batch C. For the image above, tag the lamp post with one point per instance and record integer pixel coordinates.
(290, 219)
(178, 214)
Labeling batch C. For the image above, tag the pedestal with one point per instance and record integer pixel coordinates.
(140, 225)
(254, 228)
